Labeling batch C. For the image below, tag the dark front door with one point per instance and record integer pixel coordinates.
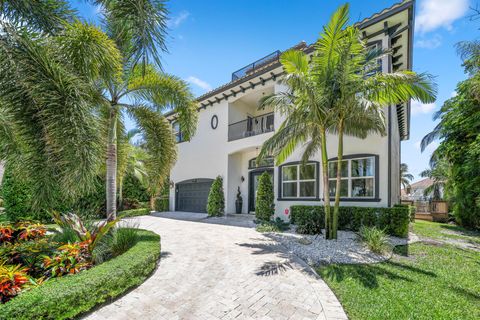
(254, 176)
(192, 195)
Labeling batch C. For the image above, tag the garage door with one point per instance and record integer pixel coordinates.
(192, 195)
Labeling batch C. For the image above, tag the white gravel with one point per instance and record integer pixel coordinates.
(347, 249)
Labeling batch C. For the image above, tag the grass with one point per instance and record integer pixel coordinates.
(422, 281)
(440, 231)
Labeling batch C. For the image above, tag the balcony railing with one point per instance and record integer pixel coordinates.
(251, 68)
(252, 126)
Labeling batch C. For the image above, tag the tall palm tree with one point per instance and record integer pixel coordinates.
(337, 92)
(49, 68)
(405, 176)
(142, 91)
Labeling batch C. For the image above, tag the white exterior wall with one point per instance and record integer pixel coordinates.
(210, 154)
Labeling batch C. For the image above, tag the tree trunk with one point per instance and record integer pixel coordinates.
(326, 195)
(120, 194)
(111, 183)
(152, 203)
(336, 209)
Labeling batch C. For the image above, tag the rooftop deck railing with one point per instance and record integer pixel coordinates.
(252, 126)
(252, 67)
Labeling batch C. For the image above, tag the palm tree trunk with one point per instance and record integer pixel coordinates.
(326, 194)
(111, 183)
(336, 209)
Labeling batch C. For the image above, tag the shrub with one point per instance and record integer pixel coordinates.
(1, 203)
(395, 221)
(134, 213)
(162, 204)
(13, 279)
(123, 239)
(68, 297)
(133, 189)
(70, 259)
(375, 239)
(277, 225)
(129, 203)
(265, 207)
(216, 199)
(309, 219)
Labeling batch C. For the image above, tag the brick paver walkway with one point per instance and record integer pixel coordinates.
(211, 271)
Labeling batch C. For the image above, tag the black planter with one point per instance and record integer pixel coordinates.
(238, 206)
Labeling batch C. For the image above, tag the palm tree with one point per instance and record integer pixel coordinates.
(49, 68)
(405, 176)
(141, 91)
(337, 92)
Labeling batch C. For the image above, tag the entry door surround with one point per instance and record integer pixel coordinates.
(252, 176)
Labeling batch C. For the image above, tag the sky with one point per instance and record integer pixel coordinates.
(210, 39)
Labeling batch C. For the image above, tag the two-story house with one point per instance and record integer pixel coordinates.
(232, 129)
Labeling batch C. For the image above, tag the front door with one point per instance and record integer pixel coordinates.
(254, 176)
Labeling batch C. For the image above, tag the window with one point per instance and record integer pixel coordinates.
(177, 132)
(374, 66)
(267, 162)
(357, 178)
(299, 181)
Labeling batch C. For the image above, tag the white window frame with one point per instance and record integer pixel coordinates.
(350, 178)
(298, 181)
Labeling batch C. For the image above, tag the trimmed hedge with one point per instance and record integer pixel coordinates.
(216, 199)
(134, 212)
(265, 206)
(394, 221)
(70, 296)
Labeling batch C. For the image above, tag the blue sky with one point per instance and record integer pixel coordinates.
(208, 40)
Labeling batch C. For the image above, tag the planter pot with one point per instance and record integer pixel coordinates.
(238, 206)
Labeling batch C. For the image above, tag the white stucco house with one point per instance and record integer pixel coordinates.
(231, 131)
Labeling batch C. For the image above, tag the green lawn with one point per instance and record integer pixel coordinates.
(422, 281)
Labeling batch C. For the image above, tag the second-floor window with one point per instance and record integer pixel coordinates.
(177, 132)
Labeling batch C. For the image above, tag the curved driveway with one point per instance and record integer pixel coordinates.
(213, 271)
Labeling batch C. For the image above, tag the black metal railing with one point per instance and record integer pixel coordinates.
(252, 126)
(251, 68)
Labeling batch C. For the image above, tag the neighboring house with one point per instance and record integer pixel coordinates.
(231, 131)
(416, 191)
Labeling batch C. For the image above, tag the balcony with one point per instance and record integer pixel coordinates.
(252, 126)
(257, 65)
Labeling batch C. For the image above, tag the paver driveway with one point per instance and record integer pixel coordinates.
(211, 271)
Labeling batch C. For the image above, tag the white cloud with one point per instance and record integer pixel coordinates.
(418, 107)
(176, 21)
(199, 83)
(434, 14)
(430, 42)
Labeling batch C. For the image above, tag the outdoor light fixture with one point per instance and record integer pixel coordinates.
(242, 178)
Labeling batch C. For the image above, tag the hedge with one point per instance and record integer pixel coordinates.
(264, 206)
(134, 212)
(216, 199)
(311, 219)
(70, 296)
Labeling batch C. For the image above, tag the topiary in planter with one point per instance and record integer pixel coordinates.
(265, 207)
(216, 199)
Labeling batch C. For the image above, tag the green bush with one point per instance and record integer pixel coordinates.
(70, 296)
(133, 189)
(162, 204)
(216, 199)
(277, 225)
(134, 213)
(375, 239)
(311, 219)
(264, 206)
(1, 203)
(17, 198)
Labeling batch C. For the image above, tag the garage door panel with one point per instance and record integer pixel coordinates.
(192, 195)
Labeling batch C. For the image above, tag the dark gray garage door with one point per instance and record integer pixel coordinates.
(192, 195)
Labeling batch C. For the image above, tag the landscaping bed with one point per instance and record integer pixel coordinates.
(424, 280)
(67, 297)
(348, 248)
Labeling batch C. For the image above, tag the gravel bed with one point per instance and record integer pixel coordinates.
(347, 249)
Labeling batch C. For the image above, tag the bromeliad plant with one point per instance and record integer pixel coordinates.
(91, 237)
